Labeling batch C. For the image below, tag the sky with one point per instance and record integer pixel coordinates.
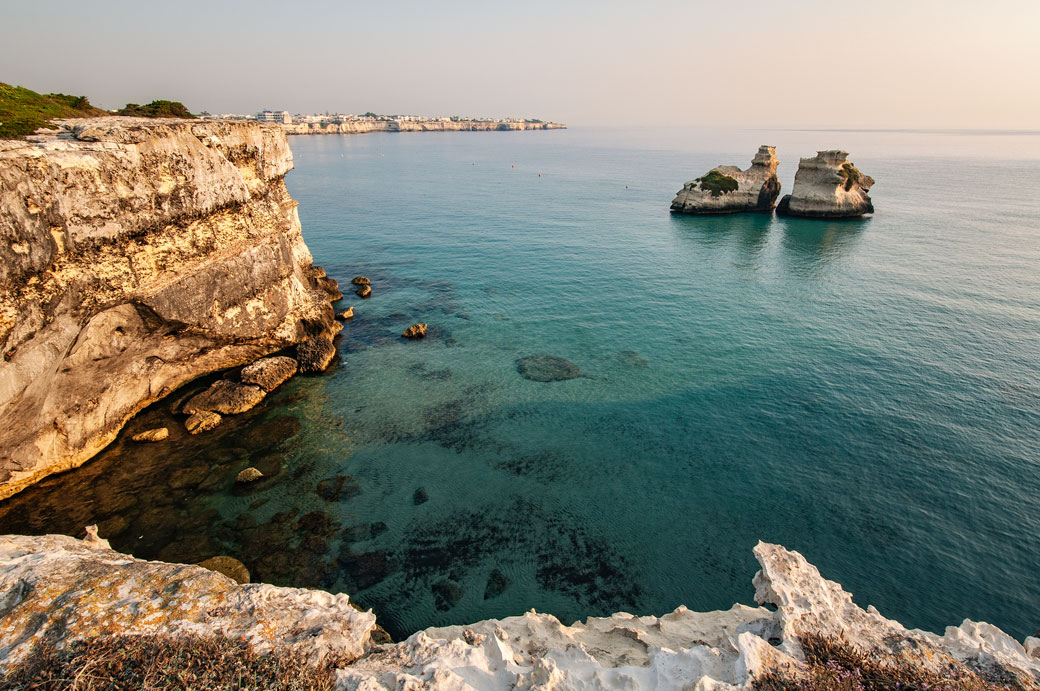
(933, 64)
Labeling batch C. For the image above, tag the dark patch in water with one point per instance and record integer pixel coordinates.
(547, 368)
(422, 370)
(631, 358)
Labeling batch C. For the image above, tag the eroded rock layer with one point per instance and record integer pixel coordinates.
(137, 255)
(65, 589)
(828, 185)
(728, 189)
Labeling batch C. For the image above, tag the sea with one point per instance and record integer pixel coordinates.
(866, 392)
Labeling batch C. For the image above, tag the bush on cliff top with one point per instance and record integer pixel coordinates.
(156, 109)
(115, 663)
(23, 111)
(718, 183)
(851, 175)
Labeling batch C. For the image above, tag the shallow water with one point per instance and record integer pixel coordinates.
(866, 392)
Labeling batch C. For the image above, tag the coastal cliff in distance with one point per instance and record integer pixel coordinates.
(828, 185)
(138, 255)
(365, 126)
(728, 189)
(811, 635)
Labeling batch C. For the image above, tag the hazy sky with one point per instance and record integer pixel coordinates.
(830, 63)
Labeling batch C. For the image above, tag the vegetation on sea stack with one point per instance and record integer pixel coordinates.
(156, 109)
(718, 183)
(165, 662)
(23, 111)
(851, 175)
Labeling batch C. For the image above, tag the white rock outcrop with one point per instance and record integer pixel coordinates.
(828, 186)
(754, 189)
(60, 587)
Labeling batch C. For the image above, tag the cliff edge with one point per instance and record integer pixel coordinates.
(137, 255)
(728, 189)
(58, 589)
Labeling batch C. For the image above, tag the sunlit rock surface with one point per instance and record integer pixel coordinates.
(828, 185)
(136, 255)
(756, 188)
(69, 589)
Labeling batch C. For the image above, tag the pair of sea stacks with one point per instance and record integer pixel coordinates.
(825, 186)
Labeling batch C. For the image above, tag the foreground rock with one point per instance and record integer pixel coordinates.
(202, 421)
(152, 435)
(415, 331)
(828, 186)
(66, 589)
(728, 189)
(59, 587)
(225, 397)
(135, 256)
(547, 368)
(364, 290)
(316, 354)
(270, 372)
(248, 475)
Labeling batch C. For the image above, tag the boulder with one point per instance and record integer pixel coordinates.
(547, 368)
(225, 397)
(157, 434)
(415, 331)
(270, 372)
(364, 290)
(202, 421)
(316, 354)
(248, 475)
(828, 185)
(360, 281)
(346, 314)
(728, 189)
(229, 566)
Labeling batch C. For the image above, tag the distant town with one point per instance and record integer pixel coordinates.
(341, 123)
(284, 117)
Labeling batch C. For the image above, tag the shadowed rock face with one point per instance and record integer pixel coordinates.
(136, 255)
(754, 189)
(828, 186)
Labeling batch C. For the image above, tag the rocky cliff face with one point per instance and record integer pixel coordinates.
(136, 256)
(828, 186)
(64, 589)
(728, 189)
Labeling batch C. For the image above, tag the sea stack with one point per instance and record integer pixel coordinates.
(728, 189)
(828, 186)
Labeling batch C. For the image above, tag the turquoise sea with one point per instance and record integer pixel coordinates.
(865, 392)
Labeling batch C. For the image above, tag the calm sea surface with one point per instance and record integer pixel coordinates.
(865, 392)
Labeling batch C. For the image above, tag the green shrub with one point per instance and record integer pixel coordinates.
(156, 109)
(851, 175)
(718, 183)
(23, 111)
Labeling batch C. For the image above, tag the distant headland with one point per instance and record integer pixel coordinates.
(340, 123)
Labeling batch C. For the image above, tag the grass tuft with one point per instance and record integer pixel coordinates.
(122, 663)
(156, 109)
(718, 183)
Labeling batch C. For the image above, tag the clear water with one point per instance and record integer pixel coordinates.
(866, 392)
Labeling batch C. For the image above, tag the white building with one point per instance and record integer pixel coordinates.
(281, 116)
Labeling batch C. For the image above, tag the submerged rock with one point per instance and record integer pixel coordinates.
(446, 594)
(360, 281)
(248, 475)
(728, 189)
(415, 331)
(157, 434)
(270, 372)
(496, 584)
(828, 186)
(420, 496)
(229, 566)
(225, 397)
(316, 354)
(547, 368)
(202, 421)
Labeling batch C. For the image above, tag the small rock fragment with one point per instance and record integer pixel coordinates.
(202, 421)
(157, 434)
(420, 496)
(225, 397)
(346, 314)
(364, 290)
(249, 475)
(360, 281)
(415, 331)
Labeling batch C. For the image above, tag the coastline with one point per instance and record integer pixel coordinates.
(365, 127)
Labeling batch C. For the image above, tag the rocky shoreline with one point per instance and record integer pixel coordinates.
(58, 589)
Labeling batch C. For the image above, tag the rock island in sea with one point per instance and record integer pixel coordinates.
(728, 189)
(828, 185)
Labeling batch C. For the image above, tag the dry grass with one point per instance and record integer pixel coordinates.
(115, 663)
(835, 665)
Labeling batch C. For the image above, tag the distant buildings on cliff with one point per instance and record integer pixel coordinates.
(285, 118)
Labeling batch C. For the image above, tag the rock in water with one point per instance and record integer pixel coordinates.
(157, 434)
(270, 372)
(229, 566)
(249, 475)
(346, 314)
(496, 584)
(364, 290)
(225, 397)
(316, 354)
(202, 421)
(828, 186)
(360, 281)
(420, 496)
(728, 189)
(547, 368)
(415, 331)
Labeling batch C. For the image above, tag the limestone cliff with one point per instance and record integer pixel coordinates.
(828, 186)
(728, 189)
(365, 126)
(62, 589)
(137, 255)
